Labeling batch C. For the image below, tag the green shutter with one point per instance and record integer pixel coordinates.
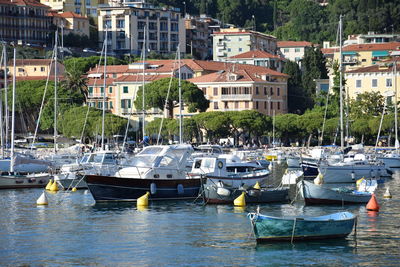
(90, 90)
(125, 89)
(122, 103)
(110, 90)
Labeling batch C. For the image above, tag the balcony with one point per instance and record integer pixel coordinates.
(246, 97)
(96, 96)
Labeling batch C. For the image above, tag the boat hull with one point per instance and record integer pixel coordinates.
(319, 194)
(265, 195)
(267, 228)
(350, 174)
(72, 183)
(24, 181)
(237, 181)
(106, 188)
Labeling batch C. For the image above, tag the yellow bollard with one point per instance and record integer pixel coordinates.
(240, 200)
(54, 187)
(257, 186)
(49, 184)
(143, 201)
(74, 189)
(42, 200)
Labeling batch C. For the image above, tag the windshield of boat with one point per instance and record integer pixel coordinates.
(151, 151)
(85, 158)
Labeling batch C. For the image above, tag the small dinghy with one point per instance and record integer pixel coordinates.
(268, 228)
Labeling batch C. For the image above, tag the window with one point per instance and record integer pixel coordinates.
(111, 104)
(226, 106)
(215, 90)
(229, 50)
(256, 105)
(125, 88)
(257, 91)
(99, 104)
(297, 50)
(265, 91)
(240, 49)
(125, 103)
(215, 105)
(272, 105)
(388, 82)
(246, 104)
(20, 70)
(358, 83)
(90, 90)
(110, 90)
(102, 90)
(271, 91)
(120, 23)
(265, 104)
(279, 105)
(374, 83)
(286, 50)
(34, 69)
(278, 91)
(236, 105)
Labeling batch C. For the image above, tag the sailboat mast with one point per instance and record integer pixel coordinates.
(144, 58)
(13, 112)
(6, 95)
(1, 106)
(104, 91)
(180, 97)
(55, 92)
(396, 144)
(341, 84)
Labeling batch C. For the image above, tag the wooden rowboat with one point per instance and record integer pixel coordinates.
(268, 228)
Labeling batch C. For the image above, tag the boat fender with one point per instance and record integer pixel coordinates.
(153, 188)
(180, 189)
(221, 191)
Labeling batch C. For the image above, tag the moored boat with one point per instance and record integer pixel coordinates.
(32, 180)
(268, 228)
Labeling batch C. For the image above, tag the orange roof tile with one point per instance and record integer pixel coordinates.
(293, 44)
(375, 68)
(372, 47)
(139, 78)
(70, 14)
(256, 54)
(99, 82)
(23, 3)
(25, 62)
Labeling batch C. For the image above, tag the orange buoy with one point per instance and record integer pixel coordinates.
(373, 204)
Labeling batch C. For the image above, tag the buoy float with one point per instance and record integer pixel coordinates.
(373, 204)
(240, 200)
(73, 189)
(257, 186)
(49, 184)
(143, 201)
(387, 194)
(42, 200)
(54, 187)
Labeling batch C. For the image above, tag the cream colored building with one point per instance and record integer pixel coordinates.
(377, 78)
(293, 50)
(83, 7)
(128, 25)
(233, 41)
(71, 22)
(35, 68)
(259, 58)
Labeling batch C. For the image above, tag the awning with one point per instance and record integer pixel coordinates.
(380, 53)
(349, 53)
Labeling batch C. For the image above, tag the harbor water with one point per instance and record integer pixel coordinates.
(73, 230)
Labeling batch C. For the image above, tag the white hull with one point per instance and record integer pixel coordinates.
(293, 162)
(350, 173)
(24, 181)
(391, 163)
(236, 182)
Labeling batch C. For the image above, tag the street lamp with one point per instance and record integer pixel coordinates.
(254, 22)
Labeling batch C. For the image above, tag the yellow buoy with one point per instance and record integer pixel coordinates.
(143, 201)
(74, 189)
(54, 187)
(42, 200)
(387, 194)
(257, 186)
(49, 184)
(240, 200)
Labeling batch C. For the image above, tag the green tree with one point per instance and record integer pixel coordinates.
(156, 96)
(287, 127)
(297, 99)
(216, 124)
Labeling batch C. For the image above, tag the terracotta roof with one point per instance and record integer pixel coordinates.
(23, 3)
(99, 82)
(70, 14)
(256, 54)
(375, 68)
(372, 47)
(139, 78)
(243, 32)
(32, 62)
(110, 69)
(329, 50)
(293, 44)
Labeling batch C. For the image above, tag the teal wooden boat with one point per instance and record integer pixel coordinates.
(268, 228)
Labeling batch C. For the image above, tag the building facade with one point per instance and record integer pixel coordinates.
(293, 50)
(199, 30)
(24, 22)
(129, 25)
(86, 8)
(259, 58)
(233, 41)
(71, 23)
(38, 68)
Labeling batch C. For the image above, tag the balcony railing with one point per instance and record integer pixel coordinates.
(246, 97)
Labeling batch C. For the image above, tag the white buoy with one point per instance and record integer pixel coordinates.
(387, 194)
(42, 200)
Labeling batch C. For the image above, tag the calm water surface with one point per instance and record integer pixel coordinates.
(73, 230)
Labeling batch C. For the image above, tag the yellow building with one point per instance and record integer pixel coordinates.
(35, 68)
(376, 78)
(83, 7)
(71, 22)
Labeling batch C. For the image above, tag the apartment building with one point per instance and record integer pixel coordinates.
(245, 87)
(233, 41)
(372, 38)
(24, 22)
(376, 78)
(199, 30)
(259, 58)
(86, 8)
(129, 25)
(293, 50)
(71, 22)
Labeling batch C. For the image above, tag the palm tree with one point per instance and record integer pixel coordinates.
(75, 82)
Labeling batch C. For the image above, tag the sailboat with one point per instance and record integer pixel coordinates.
(159, 170)
(18, 175)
